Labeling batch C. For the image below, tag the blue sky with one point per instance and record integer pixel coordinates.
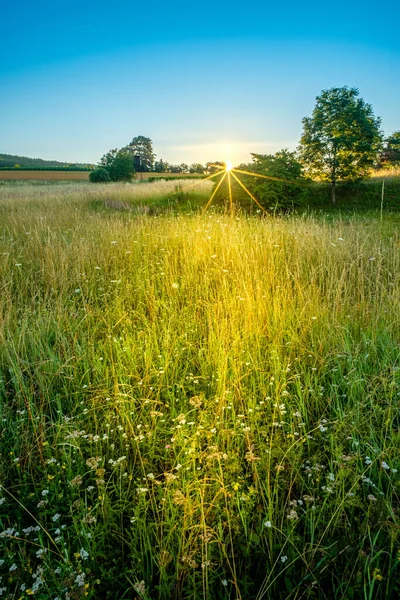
(210, 81)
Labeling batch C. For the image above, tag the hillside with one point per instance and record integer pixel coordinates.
(10, 160)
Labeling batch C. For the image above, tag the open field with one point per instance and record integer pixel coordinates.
(21, 175)
(195, 407)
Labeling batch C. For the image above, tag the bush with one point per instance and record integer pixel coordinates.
(99, 175)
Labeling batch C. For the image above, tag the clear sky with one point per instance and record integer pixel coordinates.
(205, 81)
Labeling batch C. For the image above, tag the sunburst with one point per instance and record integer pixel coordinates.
(227, 173)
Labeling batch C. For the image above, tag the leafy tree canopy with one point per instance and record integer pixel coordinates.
(99, 175)
(282, 193)
(391, 152)
(142, 146)
(342, 138)
(119, 165)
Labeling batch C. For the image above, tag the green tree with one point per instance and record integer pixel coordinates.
(196, 168)
(342, 139)
(142, 146)
(119, 165)
(273, 194)
(99, 175)
(391, 152)
(161, 166)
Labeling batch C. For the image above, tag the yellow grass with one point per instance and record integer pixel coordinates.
(53, 175)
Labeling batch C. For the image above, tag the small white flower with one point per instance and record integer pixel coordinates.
(56, 517)
(284, 558)
(77, 290)
(224, 582)
(384, 465)
(267, 524)
(13, 567)
(84, 554)
(175, 286)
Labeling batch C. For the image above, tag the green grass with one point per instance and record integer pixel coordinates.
(195, 407)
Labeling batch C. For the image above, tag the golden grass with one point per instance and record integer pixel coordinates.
(21, 175)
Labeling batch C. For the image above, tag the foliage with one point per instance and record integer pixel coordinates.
(100, 175)
(390, 156)
(9, 160)
(342, 138)
(271, 194)
(119, 165)
(142, 146)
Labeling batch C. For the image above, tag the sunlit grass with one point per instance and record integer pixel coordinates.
(195, 406)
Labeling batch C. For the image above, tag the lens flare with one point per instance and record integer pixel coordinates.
(228, 165)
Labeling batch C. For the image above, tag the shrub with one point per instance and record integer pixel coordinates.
(99, 175)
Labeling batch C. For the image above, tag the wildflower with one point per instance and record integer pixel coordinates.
(13, 567)
(84, 555)
(140, 587)
(267, 524)
(76, 481)
(45, 492)
(368, 461)
(284, 558)
(93, 462)
(224, 582)
(292, 515)
(80, 580)
(195, 401)
(384, 465)
(371, 497)
(77, 290)
(175, 286)
(55, 517)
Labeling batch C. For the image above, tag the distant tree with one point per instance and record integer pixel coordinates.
(390, 155)
(161, 166)
(107, 159)
(99, 175)
(196, 168)
(142, 146)
(175, 169)
(118, 164)
(342, 138)
(215, 165)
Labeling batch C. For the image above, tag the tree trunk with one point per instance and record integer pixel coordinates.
(333, 192)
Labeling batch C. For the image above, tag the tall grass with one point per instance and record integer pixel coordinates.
(196, 406)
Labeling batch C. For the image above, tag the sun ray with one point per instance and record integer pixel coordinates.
(247, 192)
(214, 192)
(268, 177)
(184, 188)
(230, 191)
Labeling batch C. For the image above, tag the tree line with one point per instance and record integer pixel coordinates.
(341, 142)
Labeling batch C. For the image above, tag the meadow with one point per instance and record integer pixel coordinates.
(195, 406)
(22, 175)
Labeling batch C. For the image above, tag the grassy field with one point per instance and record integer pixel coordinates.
(195, 407)
(20, 175)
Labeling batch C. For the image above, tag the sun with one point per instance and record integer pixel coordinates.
(229, 173)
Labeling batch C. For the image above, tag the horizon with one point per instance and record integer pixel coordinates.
(202, 86)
